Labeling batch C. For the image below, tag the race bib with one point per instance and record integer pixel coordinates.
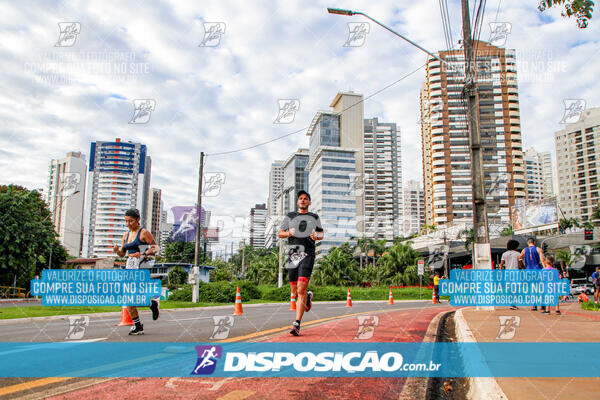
(295, 258)
(132, 263)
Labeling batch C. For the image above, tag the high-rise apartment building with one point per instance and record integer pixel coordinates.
(295, 178)
(65, 195)
(382, 180)
(538, 172)
(258, 224)
(118, 179)
(413, 208)
(275, 183)
(577, 149)
(155, 212)
(446, 154)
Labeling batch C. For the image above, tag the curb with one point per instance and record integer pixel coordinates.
(415, 388)
(118, 313)
(479, 388)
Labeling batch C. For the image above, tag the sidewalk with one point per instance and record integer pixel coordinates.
(575, 325)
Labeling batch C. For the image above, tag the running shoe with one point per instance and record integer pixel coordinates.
(545, 312)
(534, 309)
(154, 306)
(137, 330)
(558, 312)
(309, 296)
(514, 307)
(295, 329)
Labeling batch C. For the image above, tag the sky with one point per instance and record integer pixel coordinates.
(221, 93)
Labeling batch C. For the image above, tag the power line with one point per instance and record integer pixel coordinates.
(306, 127)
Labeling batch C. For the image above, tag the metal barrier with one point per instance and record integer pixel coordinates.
(10, 292)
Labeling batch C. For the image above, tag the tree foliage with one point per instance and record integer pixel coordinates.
(338, 268)
(27, 236)
(177, 276)
(395, 267)
(180, 252)
(580, 9)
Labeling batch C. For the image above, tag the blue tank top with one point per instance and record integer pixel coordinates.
(532, 258)
(134, 247)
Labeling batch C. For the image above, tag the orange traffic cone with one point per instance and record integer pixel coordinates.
(292, 302)
(125, 317)
(349, 299)
(391, 297)
(238, 303)
(433, 299)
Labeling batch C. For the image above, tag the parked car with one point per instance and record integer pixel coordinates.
(581, 286)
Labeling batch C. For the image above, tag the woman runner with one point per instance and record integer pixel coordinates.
(131, 247)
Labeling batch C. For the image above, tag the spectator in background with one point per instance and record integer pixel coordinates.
(510, 260)
(549, 264)
(533, 257)
(596, 281)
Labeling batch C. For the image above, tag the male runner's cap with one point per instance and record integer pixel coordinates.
(304, 192)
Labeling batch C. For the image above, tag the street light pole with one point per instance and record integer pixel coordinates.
(196, 273)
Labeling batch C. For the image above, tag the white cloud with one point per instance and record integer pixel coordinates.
(222, 98)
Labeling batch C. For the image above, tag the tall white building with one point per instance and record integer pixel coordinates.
(577, 149)
(275, 183)
(155, 212)
(336, 169)
(533, 175)
(382, 180)
(413, 208)
(65, 195)
(258, 225)
(118, 179)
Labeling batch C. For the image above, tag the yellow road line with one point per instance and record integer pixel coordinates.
(237, 395)
(30, 385)
(284, 328)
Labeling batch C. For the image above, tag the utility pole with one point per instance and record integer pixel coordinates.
(280, 272)
(196, 274)
(480, 225)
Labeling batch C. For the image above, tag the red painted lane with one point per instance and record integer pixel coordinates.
(395, 326)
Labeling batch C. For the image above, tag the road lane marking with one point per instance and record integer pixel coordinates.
(30, 385)
(237, 395)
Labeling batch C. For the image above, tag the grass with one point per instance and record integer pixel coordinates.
(358, 293)
(590, 305)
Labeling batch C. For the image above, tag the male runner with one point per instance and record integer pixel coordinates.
(302, 229)
(533, 257)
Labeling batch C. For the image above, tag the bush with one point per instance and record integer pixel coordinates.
(248, 290)
(184, 294)
(177, 276)
(215, 292)
(277, 294)
(329, 293)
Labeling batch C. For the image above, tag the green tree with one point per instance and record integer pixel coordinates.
(566, 259)
(580, 9)
(177, 276)
(362, 244)
(378, 247)
(180, 252)
(26, 236)
(224, 271)
(392, 267)
(338, 267)
(263, 269)
(567, 223)
(507, 231)
(469, 237)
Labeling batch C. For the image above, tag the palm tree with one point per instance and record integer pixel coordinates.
(566, 258)
(336, 268)
(508, 231)
(428, 229)
(378, 247)
(568, 223)
(395, 261)
(363, 244)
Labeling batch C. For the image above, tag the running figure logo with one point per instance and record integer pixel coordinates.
(357, 34)
(142, 110)
(366, 326)
(222, 326)
(573, 110)
(508, 327)
(287, 111)
(70, 181)
(68, 33)
(213, 182)
(77, 325)
(499, 32)
(207, 359)
(212, 34)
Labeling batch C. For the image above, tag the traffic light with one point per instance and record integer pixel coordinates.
(588, 234)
